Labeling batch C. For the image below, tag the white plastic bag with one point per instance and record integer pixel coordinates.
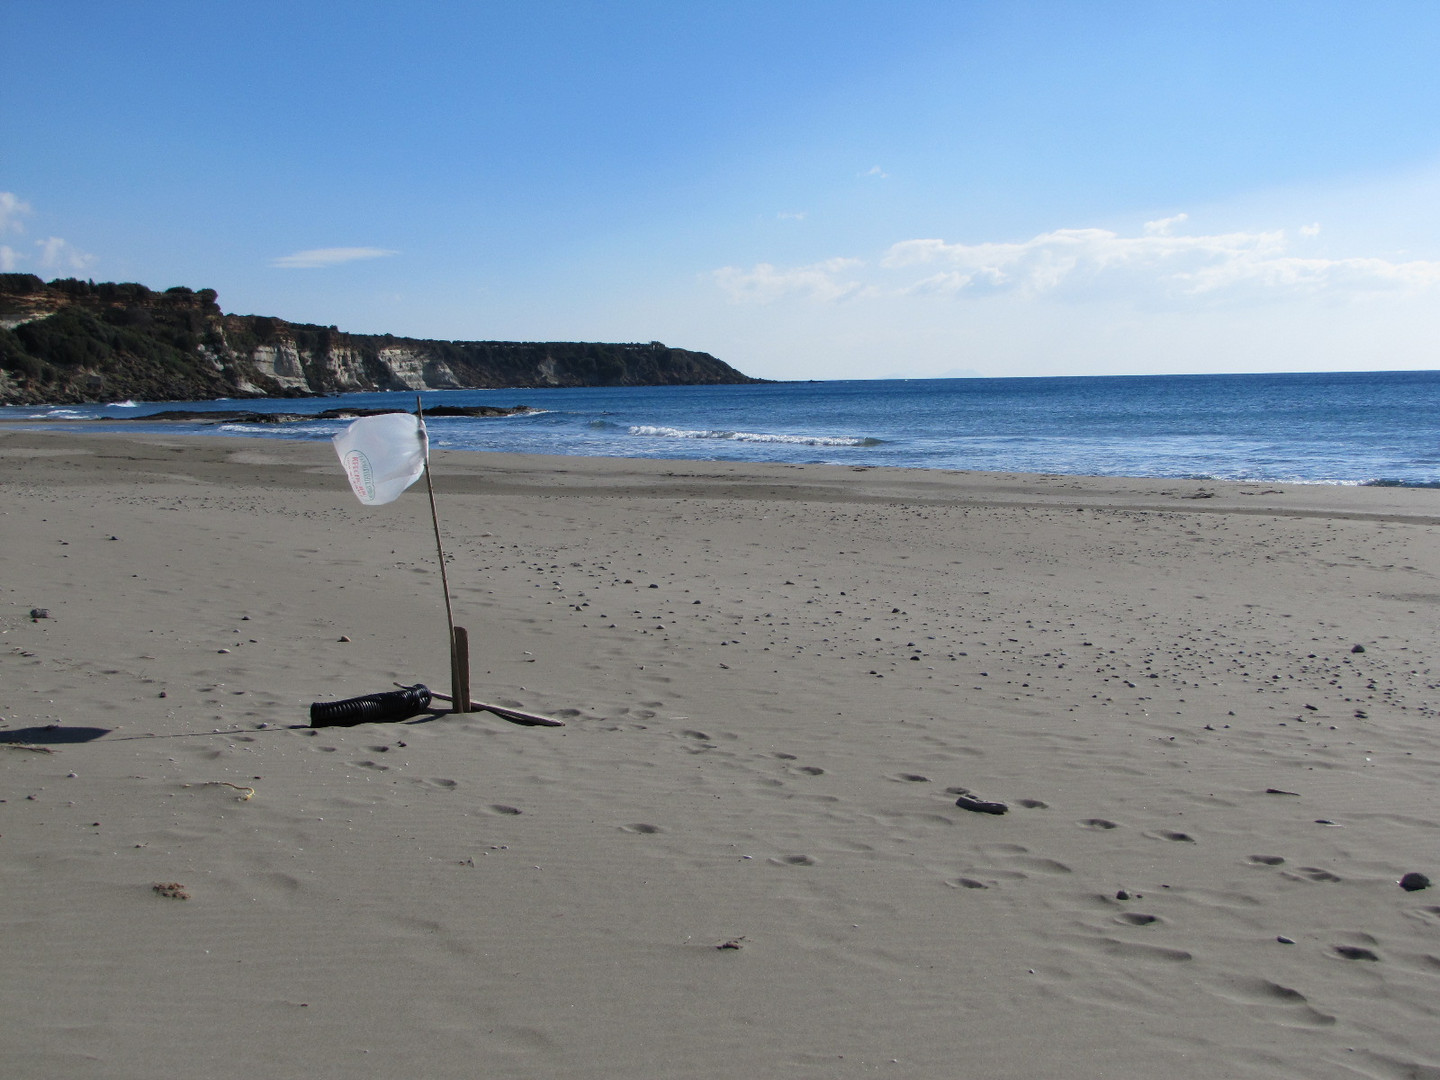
(382, 455)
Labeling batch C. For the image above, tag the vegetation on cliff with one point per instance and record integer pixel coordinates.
(73, 341)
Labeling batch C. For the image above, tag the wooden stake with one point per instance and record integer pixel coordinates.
(460, 698)
(461, 683)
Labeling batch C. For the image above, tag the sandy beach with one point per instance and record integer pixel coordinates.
(1210, 710)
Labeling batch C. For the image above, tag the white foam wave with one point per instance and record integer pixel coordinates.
(657, 432)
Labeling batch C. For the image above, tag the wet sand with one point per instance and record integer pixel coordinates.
(1210, 710)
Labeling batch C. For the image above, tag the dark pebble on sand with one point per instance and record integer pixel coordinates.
(1414, 882)
(1357, 648)
(981, 806)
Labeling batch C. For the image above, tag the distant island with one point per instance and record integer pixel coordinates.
(71, 341)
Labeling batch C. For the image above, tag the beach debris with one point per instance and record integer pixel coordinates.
(1283, 940)
(38, 613)
(731, 944)
(972, 802)
(515, 716)
(1278, 791)
(1414, 882)
(171, 890)
(246, 793)
(391, 705)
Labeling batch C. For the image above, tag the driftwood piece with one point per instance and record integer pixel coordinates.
(515, 716)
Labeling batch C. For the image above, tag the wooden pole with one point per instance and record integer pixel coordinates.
(459, 639)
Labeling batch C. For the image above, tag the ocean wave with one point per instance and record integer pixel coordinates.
(123, 405)
(322, 429)
(655, 432)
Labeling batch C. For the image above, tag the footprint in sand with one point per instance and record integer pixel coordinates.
(793, 860)
(642, 829)
(1034, 804)
(1168, 834)
(433, 781)
(1267, 860)
(1098, 823)
(1355, 952)
(1041, 865)
(811, 770)
(1312, 873)
(501, 808)
(1294, 1008)
(912, 778)
(1137, 951)
(966, 883)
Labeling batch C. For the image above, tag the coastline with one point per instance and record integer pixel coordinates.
(771, 675)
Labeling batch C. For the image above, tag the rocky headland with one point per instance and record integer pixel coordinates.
(70, 341)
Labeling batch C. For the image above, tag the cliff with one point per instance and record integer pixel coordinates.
(72, 341)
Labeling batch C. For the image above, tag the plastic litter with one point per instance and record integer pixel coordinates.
(372, 708)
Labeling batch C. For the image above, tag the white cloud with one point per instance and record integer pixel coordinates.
(786, 215)
(1156, 263)
(1163, 226)
(1310, 230)
(53, 253)
(764, 284)
(321, 257)
(875, 171)
(12, 209)
(57, 254)
(1158, 269)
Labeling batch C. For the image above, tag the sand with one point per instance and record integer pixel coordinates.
(742, 856)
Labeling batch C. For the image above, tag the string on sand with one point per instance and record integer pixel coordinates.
(248, 791)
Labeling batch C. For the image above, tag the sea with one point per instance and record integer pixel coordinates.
(1379, 428)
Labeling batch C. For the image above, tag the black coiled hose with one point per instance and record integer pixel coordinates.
(372, 708)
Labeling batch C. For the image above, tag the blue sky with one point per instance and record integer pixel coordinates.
(806, 189)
